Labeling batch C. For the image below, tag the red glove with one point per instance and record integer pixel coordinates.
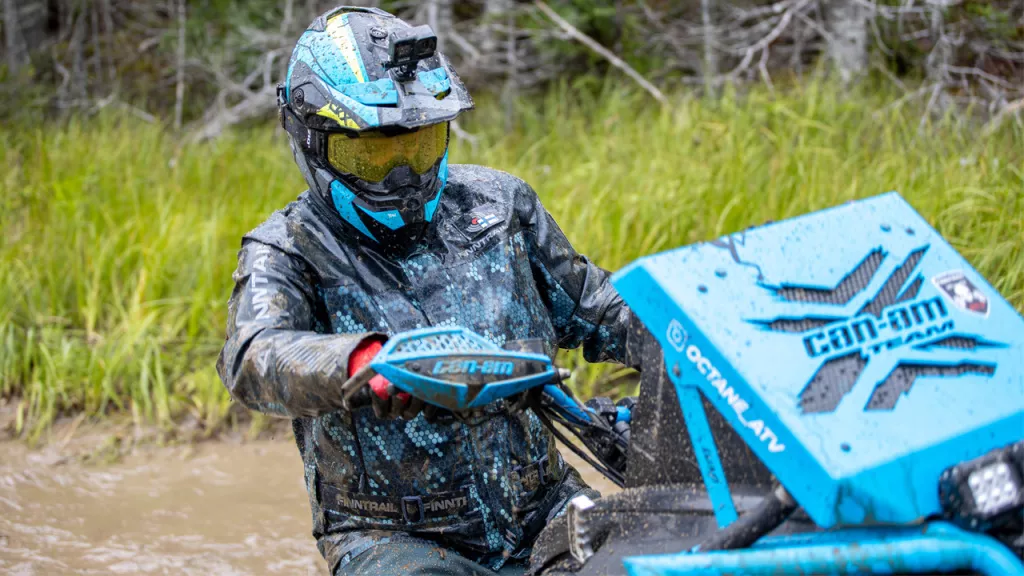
(363, 355)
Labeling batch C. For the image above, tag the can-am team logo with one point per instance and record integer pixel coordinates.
(897, 316)
(962, 292)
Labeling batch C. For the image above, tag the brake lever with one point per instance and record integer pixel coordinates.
(355, 392)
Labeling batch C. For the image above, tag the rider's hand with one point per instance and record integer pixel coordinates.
(386, 401)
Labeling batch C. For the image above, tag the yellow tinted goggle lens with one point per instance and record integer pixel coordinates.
(372, 156)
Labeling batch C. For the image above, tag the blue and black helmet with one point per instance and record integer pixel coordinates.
(367, 103)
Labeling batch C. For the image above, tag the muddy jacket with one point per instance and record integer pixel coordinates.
(306, 293)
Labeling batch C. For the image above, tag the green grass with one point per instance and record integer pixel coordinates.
(119, 243)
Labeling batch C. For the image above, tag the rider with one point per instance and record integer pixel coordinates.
(389, 238)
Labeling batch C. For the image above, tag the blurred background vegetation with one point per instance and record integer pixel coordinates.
(194, 63)
(139, 145)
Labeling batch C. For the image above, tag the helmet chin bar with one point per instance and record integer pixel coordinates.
(395, 220)
(398, 188)
(398, 241)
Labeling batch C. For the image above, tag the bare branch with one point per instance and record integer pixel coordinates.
(257, 104)
(612, 59)
(464, 45)
(762, 68)
(1011, 109)
(964, 71)
(928, 109)
(460, 133)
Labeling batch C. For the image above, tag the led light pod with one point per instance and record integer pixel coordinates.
(986, 490)
(994, 488)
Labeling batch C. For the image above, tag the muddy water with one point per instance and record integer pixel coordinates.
(215, 508)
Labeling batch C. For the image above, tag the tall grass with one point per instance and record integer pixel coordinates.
(119, 243)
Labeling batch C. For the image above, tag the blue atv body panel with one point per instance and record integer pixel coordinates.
(855, 351)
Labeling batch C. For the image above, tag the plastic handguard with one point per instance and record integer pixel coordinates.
(457, 369)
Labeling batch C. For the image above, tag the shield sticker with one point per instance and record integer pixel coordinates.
(962, 292)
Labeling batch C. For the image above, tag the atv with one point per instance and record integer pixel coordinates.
(839, 393)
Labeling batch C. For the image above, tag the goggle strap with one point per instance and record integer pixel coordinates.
(312, 141)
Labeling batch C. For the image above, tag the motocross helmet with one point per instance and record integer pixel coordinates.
(366, 105)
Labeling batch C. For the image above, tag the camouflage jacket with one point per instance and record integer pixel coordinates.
(306, 293)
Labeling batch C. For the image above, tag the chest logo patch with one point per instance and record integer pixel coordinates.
(480, 220)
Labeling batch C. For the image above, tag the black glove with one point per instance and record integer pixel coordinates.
(364, 387)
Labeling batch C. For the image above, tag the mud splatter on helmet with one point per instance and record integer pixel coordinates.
(366, 104)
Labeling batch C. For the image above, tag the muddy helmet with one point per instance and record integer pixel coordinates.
(366, 103)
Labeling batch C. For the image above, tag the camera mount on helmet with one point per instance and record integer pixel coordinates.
(406, 47)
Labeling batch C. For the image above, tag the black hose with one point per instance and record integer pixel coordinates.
(545, 417)
(769, 514)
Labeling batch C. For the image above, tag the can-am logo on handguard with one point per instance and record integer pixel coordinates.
(895, 317)
(488, 367)
(732, 397)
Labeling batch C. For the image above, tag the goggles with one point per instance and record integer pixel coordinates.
(371, 156)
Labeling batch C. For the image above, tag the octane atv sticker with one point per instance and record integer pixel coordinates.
(962, 292)
(732, 397)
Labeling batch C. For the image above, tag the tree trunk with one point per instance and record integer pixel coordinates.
(439, 17)
(937, 63)
(76, 46)
(17, 51)
(96, 59)
(847, 24)
(508, 93)
(710, 60)
(108, 39)
(489, 40)
(179, 90)
(286, 19)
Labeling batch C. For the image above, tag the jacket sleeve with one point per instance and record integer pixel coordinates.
(273, 360)
(584, 307)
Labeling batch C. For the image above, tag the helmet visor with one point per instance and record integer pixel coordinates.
(372, 155)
